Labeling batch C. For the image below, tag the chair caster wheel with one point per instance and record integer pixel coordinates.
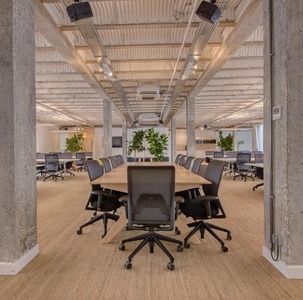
(79, 231)
(186, 245)
(180, 248)
(229, 236)
(170, 266)
(128, 265)
(122, 247)
(224, 249)
(177, 232)
(103, 235)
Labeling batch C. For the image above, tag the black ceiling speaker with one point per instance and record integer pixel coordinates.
(78, 11)
(209, 12)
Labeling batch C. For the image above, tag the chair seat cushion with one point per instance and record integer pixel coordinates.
(196, 208)
(108, 204)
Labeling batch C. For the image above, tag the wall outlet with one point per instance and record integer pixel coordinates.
(277, 240)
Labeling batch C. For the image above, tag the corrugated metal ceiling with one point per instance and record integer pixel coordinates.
(150, 42)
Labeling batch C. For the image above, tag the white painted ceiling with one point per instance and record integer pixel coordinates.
(149, 46)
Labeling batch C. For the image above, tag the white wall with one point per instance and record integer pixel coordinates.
(46, 141)
(246, 137)
(98, 142)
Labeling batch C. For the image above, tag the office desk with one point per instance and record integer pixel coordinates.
(256, 165)
(61, 161)
(117, 180)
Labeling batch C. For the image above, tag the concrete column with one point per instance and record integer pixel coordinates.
(18, 221)
(190, 126)
(99, 148)
(173, 137)
(124, 140)
(107, 127)
(283, 138)
(254, 138)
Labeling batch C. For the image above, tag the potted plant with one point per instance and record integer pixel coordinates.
(225, 143)
(74, 143)
(137, 143)
(157, 143)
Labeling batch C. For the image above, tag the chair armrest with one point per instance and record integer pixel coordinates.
(207, 200)
(123, 199)
(179, 199)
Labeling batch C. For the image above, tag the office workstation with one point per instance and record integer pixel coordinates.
(161, 68)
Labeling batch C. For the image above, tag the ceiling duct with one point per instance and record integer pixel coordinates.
(148, 118)
(148, 92)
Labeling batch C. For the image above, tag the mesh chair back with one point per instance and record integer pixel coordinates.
(151, 191)
(218, 154)
(231, 154)
(258, 157)
(81, 158)
(182, 160)
(188, 161)
(209, 153)
(242, 158)
(253, 153)
(119, 159)
(196, 165)
(66, 155)
(40, 155)
(106, 164)
(94, 169)
(113, 161)
(178, 158)
(51, 162)
(214, 174)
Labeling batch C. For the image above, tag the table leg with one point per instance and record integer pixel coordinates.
(115, 229)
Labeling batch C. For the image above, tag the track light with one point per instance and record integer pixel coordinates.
(208, 11)
(78, 11)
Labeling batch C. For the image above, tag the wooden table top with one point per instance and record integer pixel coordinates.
(116, 179)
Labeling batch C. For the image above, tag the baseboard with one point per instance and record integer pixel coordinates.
(15, 267)
(290, 272)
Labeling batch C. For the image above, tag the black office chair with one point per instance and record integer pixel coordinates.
(188, 162)
(242, 170)
(196, 165)
(113, 162)
(207, 206)
(69, 164)
(218, 154)
(177, 159)
(52, 167)
(99, 200)
(151, 206)
(119, 159)
(80, 162)
(106, 164)
(182, 160)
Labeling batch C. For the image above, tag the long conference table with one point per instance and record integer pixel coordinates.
(116, 179)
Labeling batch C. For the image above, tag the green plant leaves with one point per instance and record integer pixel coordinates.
(225, 143)
(74, 143)
(157, 143)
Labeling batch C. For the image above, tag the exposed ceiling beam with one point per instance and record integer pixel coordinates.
(146, 26)
(46, 26)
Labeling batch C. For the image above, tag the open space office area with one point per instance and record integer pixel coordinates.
(196, 79)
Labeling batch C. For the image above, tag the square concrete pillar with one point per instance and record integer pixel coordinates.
(18, 228)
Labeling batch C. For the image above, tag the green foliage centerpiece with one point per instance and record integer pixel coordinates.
(157, 143)
(225, 143)
(74, 143)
